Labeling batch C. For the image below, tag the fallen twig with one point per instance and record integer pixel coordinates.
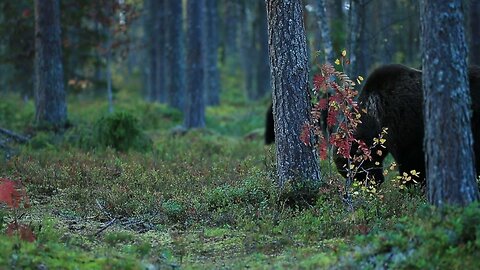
(108, 224)
(17, 137)
(100, 206)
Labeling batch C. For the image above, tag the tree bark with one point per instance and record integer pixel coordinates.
(50, 105)
(175, 56)
(263, 85)
(162, 73)
(195, 100)
(474, 32)
(212, 75)
(151, 32)
(358, 49)
(448, 137)
(324, 29)
(296, 162)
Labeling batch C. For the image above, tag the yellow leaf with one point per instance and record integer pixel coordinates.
(382, 141)
(360, 78)
(415, 173)
(352, 166)
(337, 62)
(377, 163)
(344, 53)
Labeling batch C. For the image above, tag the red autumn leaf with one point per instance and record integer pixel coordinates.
(319, 82)
(322, 104)
(24, 231)
(332, 118)
(8, 193)
(323, 149)
(305, 135)
(11, 194)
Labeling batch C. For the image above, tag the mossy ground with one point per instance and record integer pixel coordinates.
(207, 200)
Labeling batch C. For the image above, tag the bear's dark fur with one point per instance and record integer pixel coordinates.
(269, 127)
(393, 98)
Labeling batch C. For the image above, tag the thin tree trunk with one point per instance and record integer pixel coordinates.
(296, 163)
(195, 101)
(263, 64)
(50, 105)
(248, 48)
(324, 29)
(450, 166)
(162, 76)
(109, 70)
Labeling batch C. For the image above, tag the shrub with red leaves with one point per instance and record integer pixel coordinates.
(12, 193)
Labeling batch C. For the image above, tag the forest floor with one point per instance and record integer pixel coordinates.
(206, 200)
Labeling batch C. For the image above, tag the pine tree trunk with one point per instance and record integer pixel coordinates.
(152, 40)
(162, 73)
(175, 56)
(212, 76)
(50, 103)
(324, 28)
(296, 162)
(263, 65)
(474, 32)
(358, 49)
(195, 100)
(448, 136)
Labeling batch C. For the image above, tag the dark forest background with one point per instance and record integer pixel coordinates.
(139, 41)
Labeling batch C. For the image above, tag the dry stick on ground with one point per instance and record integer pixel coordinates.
(108, 224)
(17, 137)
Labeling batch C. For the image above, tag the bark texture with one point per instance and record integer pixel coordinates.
(289, 69)
(448, 137)
(474, 32)
(212, 75)
(195, 100)
(175, 56)
(324, 28)
(50, 106)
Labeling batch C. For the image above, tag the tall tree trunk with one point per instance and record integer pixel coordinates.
(109, 70)
(50, 106)
(447, 117)
(248, 48)
(358, 44)
(324, 28)
(175, 56)
(195, 101)
(387, 17)
(474, 32)
(212, 76)
(152, 40)
(296, 162)
(231, 22)
(263, 85)
(162, 76)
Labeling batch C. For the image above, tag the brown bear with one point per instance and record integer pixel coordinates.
(269, 128)
(393, 98)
